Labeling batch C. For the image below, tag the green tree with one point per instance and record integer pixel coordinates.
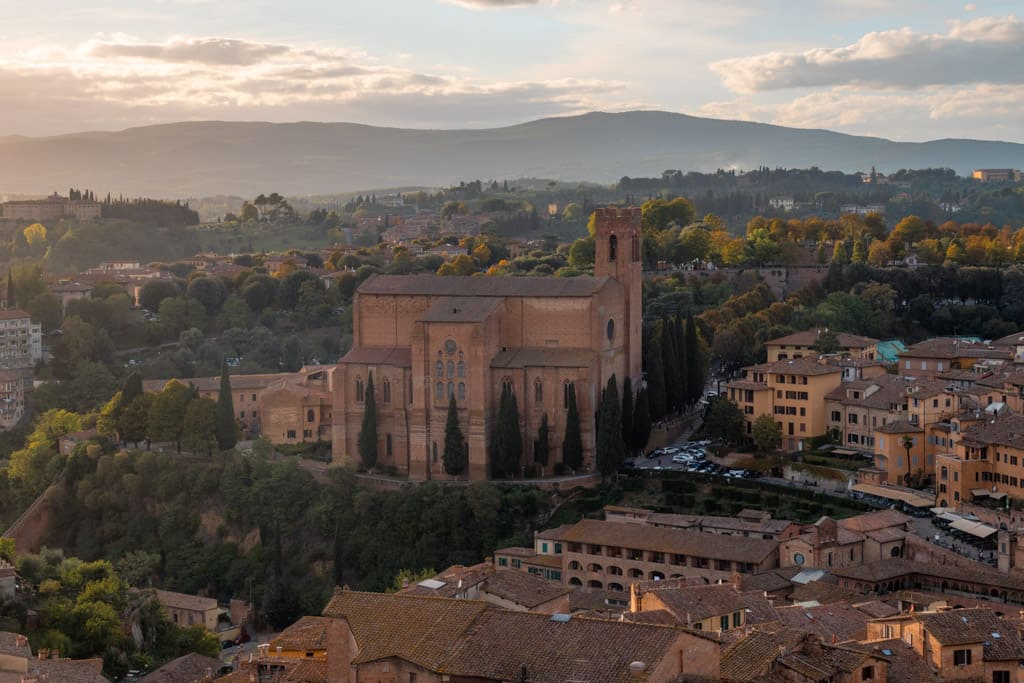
(167, 413)
(767, 433)
(542, 446)
(627, 412)
(199, 429)
(209, 291)
(455, 460)
(7, 550)
(368, 432)
(641, 421)
(908, 443)
(507, 444)
(610, 448)
(839, 254)
(724, 420)
(572, 445)
(658, 214)
(674, 382)
(860, 253)
(582, 253)
(35, 235)
(227, 429)
(827, 342)
(696, 364)
(154, 292)
(655, 378)
(132, 387)
(133, 423)
(47, 310)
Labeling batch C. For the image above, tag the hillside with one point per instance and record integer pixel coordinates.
(204, 158)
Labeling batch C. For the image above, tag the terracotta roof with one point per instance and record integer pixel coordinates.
(1015, 339)
(308, 633)
(747, 384)
(547, 357)
(770, 581)
(307, 671)
(840, 620)
(516, 551)
(580, 649)
(418, 629)
(66, 670)
(1001, 429)
(523, 588)
(905, 665)
(737, 525)
(876, 609)
(1001, 640)
(14, 644)
(821, 592)
(184, 601)
(697, 603)
(796, 366)
(884, 391)
(238, 382)
(899, 427)
(810, 337)
(399, 357)
(554, 533)
(950, 347)
(460, 309)
(469, 286)
(695, 543)
(884, 570)
(456, 579)
(873, 521)
(749, 658)
(189, 668)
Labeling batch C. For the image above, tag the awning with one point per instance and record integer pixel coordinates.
(906, 496)
(949, 517)
(973, 528)
(987, 493)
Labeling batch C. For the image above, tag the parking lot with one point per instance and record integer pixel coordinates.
(686, 456)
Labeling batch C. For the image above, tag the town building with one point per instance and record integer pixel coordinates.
(190, 668)
(8, 580)
(14, 384)
(307, 638)
(986, 462)
(801, 345)
(933, 357)
(70, 290)
(997, 175)
(18, 665)
(189, 610)
(829, 544)
(520, 591)
(427, 338)
(53, 207)
(21, 340)
(746, 523)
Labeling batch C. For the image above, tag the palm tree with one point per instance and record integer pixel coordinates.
(907, 442)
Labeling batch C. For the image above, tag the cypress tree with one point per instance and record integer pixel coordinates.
(507, 445)
(454, 444)
(542, 447)
(684, 361)
(641, 421)
(132, 388)
(610, 448)
(12, 301)
(627, 413)
(572, 446)
(368, 432)
(227, 432)
(655, 380)
(670, 364)
(694, 367)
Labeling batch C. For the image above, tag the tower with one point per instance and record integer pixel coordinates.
(618, 254)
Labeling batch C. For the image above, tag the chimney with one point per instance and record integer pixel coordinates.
(637, 670)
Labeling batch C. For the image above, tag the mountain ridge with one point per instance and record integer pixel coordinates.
(199, 158)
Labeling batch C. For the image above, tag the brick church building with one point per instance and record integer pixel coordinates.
(427, 337)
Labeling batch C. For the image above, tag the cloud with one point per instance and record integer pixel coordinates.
(491, 4)
(116, 81)
(983, 50)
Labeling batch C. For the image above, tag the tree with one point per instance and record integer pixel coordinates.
(167, 413)
(12, 300)
(368, 432)
(209, 291)
(907, 442)
(155, 291)
(859, 252)
(627, 412)
(767, 433)
(507, 444)
(132, 387)
(675, 390)
(46, 309)
(199, 428)
(839, 254)
(641, 422)
(542, 447)
(695, 367)
(655, 378)
(610, 448)
(133, 423)
(226, 428)
(106, 421)
(572, 445)
(455, 459)
(582, 253)
(827, 342)
(724, 420)
(35, 235)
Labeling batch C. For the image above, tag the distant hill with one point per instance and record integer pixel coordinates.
(245, 158)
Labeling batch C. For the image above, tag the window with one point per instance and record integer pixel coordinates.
(451, 390)
(610, 329)
(1000, 677)
(241, 414)
(736, 619)
(567, 389)
(961, 657)
(724, 622)
(635, 242)
(558, 548)
(450, 369)
(310, 415)
(307, 433)
(387, 444)
(867, 673)
(439, 391)
(254, 397)
(538, 391)
(613, 247)
(412, 677)
(359, 390)
(291, 433)
(544, 547)
(462, 391)
(387, 391)
(462, 369)
(506, 385)
(439, 369)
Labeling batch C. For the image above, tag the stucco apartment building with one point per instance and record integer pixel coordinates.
(935, 356)
(830, 544)
(986, 462)
(21, 340)
(53, 207)
(189, 610)
(427, 338)
(801, 345)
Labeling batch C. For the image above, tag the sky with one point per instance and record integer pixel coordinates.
(900, 69)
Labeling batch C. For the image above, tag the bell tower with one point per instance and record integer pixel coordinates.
(618, 254)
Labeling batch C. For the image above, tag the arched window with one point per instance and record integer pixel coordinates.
(596, 568)
(595, 584)
(617, 587)
(615, 571)
(387, 391)
(439, 369)
(538, 391)
(359, 389)
(575, 582)
(439, 391)
(567, 389)
(613, 247)
(310, 415)
(451, 389)
(636, 247)
(451, 369)
(575, 566)
(636, 573)
(506, 385)
(610, 329)
(462, 369)
(657, 576)
(462, 391)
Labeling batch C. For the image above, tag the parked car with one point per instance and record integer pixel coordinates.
(654, 454)
(682, 458)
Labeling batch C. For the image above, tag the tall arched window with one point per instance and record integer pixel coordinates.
(636, 247)
(359, 389)
(506, 385)
(387, 391)
(538, 391)
(439, 369)
(310, 415)
(567, 388)
(451, 389)
(450, 369)
(462, 391)
(613, 247)
(462, 369)
(439, 391)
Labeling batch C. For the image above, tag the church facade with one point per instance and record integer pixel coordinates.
(426, 338)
